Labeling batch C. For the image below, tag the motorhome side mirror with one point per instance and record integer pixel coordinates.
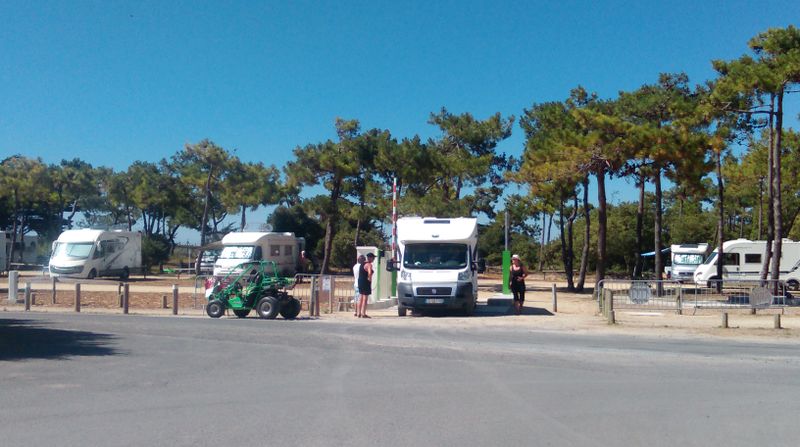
(391, 265)
(481, 265)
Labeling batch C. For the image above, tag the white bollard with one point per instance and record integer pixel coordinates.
(13, 286)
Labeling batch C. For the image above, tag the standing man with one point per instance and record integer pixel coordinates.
(364, 286)
(356, 269)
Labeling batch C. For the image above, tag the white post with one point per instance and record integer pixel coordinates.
(13, 286)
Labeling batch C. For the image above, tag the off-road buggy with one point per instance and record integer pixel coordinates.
(252, 285)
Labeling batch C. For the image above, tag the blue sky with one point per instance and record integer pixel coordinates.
(113, 82)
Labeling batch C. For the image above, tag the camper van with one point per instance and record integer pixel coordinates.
(684, 259)
(90, 253)
(437, 264)
(282, 248)
(743, 260)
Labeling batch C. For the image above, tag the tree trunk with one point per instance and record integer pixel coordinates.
(720, 221)
(765, 263)
(541, 245)
(587, 234)
(203, 221)
(566, 251)
(777, 209)
(637, 269)
(658, 257)
(333, 216)
(601, 226)
(243, 223)
(569, 270)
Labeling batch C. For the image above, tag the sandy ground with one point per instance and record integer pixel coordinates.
(576, 313)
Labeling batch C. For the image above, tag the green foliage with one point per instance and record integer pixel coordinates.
(155, 250)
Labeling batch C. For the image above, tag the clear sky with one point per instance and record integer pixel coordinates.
(113, 82)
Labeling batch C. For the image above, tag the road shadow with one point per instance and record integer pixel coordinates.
(29, 339)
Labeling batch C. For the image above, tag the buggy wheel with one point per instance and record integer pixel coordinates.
(268, 307)
(402, 311)
(241, 313)
(126, 273)
(291, 309)
(215, 308)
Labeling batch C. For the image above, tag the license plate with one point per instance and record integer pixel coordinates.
(434, 301)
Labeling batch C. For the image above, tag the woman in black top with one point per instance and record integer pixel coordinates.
(364, 286)
(516, 282)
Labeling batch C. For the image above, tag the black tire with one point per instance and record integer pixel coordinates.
(402, 311)
(268, 307)
(712, 282)
(291, 309)
(92, 274)
(469, 309)
(793, 284)
(215, 308)
(126, 273)
(241, 313)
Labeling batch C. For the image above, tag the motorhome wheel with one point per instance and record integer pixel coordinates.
(401, 310)
(126, 273)
(92, 274)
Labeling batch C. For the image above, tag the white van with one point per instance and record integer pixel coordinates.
(743, 260)
(684, 259)
(90, 253)
(282, 248)
(438, 264)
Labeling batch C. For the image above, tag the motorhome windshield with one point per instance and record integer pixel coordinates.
(74, 250)
(687, 259)
(427, 256)
(237, 252)
(711, 258)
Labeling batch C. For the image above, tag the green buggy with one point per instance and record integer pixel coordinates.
(252, 285)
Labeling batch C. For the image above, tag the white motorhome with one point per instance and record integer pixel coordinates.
(438, 264)
(29, 249)
(743, 260)
(684, 259)
(282, 248)
(90, 253)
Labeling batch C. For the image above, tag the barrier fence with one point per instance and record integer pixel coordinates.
(672, 295)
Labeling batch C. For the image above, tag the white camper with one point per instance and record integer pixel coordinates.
(743, 260)
(438, 264)
(90, 253)
(684, 259)
(282, 248)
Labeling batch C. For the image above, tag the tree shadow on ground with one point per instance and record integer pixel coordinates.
(29, 339)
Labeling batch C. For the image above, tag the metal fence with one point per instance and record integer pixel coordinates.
(330, 293)
(672, 295)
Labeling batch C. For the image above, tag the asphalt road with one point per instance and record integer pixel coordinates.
(108, 380)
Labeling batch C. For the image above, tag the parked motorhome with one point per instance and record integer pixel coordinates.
(29, 249)
(743, 259)
(438, 264)
(684, 259)
(90, 253)
(282, 248)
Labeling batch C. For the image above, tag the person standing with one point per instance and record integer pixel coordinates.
(516, 282)
(356, 268)
(364, 286)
